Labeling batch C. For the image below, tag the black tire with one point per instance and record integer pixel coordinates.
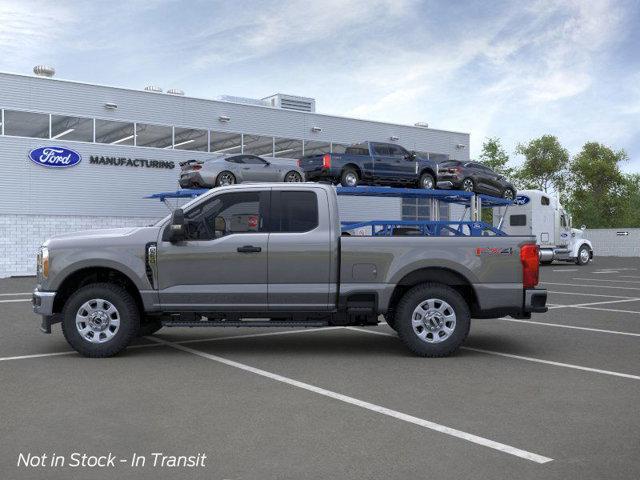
(345, 179)
(424, 178)
(468, 185)
(419, 295)
(546, 262)
(293, 173)
(509, 193)
(149, 326)
(579, 260)
(127, 310)
(390, 318)
(222, 175)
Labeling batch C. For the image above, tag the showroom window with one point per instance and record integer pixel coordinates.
(158, 136)
(287, 148)
(114, 133)
(258, 145)
(225, 142)
(26, 124)
(72, 128)
(225, 214)
(298, 212)
(316, 148)
(191, 139)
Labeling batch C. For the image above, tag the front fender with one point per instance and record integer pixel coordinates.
(578, 244)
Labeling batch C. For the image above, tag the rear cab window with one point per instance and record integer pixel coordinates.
(295, 211)
(358, 149)
(517, 220)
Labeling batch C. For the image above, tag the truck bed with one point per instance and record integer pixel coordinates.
(490, 265)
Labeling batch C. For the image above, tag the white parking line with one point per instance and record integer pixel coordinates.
(16, 300)
(559, 325)
(520, 357)
(605, 280)
(485, 442)
(595, 303)
(591, 286)
(634, 312)
(565, 270)
(588, 294)
(180, 342)
(15, 294)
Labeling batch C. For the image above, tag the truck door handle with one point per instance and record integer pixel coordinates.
(249, 249)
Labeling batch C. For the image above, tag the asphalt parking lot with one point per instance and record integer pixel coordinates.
(557, 396)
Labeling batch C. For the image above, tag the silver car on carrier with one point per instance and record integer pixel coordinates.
(237, 168)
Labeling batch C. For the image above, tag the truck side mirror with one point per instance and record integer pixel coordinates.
(177, 230)
(583, 227)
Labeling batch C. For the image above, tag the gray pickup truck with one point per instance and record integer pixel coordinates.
(274, 255)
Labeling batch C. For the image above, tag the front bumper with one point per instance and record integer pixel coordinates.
(42, 303)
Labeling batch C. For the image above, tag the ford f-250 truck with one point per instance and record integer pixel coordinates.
(372, 163)
(274, 255)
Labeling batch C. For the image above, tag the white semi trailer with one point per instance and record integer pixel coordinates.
(539, 214)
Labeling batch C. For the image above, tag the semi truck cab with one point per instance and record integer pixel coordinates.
(537, 213)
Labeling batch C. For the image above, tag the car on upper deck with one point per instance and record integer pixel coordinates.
(237, 168)
(474, 177)
(372, 163)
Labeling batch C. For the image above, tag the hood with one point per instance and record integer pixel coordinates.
(106, 236)
(577, 233)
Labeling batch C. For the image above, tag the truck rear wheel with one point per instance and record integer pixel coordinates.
(349, 178)
(432, 320)
(100, 320)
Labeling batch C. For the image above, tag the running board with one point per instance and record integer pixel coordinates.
(246, 323)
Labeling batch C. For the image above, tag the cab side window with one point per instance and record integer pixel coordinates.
(296, 212)
(381, 150)
(226, 214)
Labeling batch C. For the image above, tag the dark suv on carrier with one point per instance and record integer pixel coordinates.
(474, 177)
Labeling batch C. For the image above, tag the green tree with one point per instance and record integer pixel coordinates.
(545, 164)
(631, 198)
(599, 191)
(495, 157)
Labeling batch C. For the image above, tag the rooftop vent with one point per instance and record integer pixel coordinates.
(44, 71)
(292, 102)
(244, 100)
(175, 91)
(153, 88)
(422, 124)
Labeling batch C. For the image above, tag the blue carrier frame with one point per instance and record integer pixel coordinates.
(386, 228)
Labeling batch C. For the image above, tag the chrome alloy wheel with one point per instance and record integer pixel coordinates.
(226, 178)
(433, 320)
(427, 182)
(351, 179)
(584, 255)
(467, 185)
(508, 194)
(97, 320)
(293, 177)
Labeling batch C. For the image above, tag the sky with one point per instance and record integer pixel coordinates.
(514, 70)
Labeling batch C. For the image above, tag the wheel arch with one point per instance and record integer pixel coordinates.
(88, 275)
(353, 166)
(441, 275)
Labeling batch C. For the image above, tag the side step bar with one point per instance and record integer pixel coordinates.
(246, 323)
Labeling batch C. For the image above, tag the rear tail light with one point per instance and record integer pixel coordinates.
(530, 258)
(196, 167)
(326, 161)
(299, 162)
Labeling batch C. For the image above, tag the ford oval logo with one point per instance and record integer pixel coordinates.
(56, 157)
(521, 200)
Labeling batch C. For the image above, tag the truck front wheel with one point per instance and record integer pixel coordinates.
(584, 255)
(432, 320)
(100, 320)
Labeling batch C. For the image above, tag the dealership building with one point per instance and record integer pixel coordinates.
(129, 144)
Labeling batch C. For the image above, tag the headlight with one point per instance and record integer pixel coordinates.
(43, 262)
